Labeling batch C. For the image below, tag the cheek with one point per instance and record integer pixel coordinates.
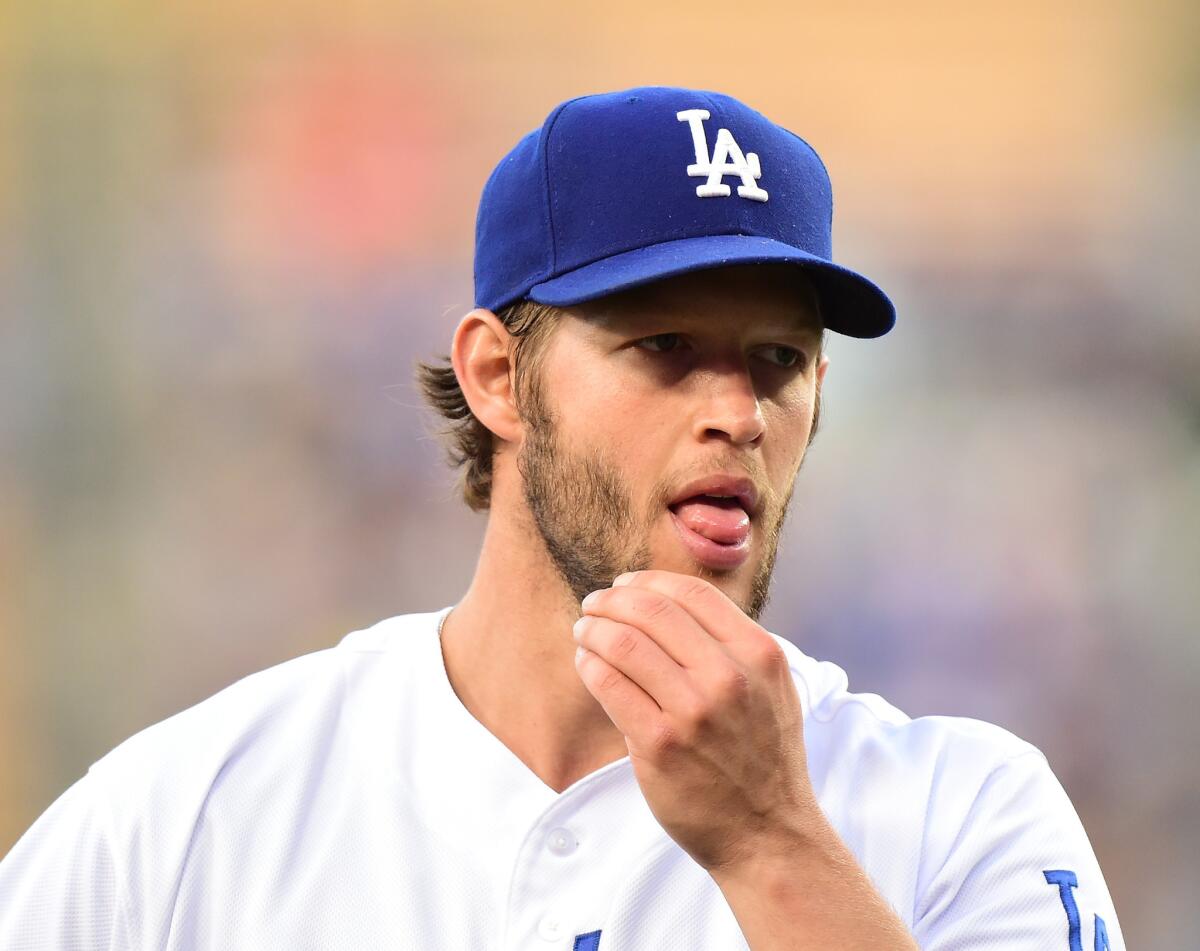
(788, 426)
(791, 412)
(614, 414)
(614, 396)
(638, 427)
(631, 441)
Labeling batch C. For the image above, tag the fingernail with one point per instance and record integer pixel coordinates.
(590, 599)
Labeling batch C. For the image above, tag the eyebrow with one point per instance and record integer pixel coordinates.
(802, 323)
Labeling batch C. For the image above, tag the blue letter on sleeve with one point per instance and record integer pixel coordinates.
(1065, 881)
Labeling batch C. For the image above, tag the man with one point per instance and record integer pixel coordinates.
(598, 746)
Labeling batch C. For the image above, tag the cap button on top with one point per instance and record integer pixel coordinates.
(562, 842)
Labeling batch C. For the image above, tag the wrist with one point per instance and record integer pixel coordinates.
(803, 836)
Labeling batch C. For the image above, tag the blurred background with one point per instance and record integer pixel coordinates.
(227, 232)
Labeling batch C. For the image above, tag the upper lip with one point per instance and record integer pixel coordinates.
(740, 487)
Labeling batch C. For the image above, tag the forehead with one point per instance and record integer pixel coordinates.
(778, 297)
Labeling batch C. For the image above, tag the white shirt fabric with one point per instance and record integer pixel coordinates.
(346, 799)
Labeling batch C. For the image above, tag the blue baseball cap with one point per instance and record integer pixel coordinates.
(624, 188)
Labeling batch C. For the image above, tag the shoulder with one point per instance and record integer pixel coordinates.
(898, 784)
(865, 732)
(274, 729)
(280, 702)
(197, 740)
(989, 833)
(109, 855)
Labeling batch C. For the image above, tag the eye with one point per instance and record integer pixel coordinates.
(670, 338)
(788, 357)
(791, 358)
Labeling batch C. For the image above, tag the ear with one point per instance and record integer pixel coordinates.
(480, 356)
(822, 367)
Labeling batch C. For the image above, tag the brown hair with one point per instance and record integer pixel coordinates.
(470, 443)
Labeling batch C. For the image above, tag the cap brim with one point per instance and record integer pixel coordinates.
(850, 304)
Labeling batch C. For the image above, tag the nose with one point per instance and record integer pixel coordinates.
(729, 406)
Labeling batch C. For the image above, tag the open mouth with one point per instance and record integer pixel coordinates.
(715, 530)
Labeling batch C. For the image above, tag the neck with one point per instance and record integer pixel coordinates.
(510, 656)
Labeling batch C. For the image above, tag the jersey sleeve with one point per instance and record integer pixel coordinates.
(1020, 874)
(59, 885)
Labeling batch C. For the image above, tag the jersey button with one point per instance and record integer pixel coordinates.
(550, 928)
(562, 842)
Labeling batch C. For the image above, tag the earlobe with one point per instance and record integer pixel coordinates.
(479, 354)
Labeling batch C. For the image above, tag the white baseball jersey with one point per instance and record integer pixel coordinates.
(346, 799)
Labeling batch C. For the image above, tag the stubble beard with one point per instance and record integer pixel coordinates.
(584, 513)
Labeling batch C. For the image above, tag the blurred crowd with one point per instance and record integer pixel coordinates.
(224, 245)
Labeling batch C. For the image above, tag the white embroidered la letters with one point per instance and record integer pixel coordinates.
(727, 159)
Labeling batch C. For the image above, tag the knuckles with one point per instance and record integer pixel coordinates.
(623, 642)
(732, 687)
(653, 606)
(667, 738)
(610, 680)
(695, 721)
(694, 589)
(769, 657)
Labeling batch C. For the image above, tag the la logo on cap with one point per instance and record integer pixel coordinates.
(727, 159)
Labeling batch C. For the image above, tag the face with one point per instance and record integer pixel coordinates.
(642, 392)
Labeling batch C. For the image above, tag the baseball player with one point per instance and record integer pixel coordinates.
(597, 746)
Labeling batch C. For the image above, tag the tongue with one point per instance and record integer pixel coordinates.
(719, 520)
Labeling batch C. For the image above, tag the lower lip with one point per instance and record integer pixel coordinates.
(710, 553)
